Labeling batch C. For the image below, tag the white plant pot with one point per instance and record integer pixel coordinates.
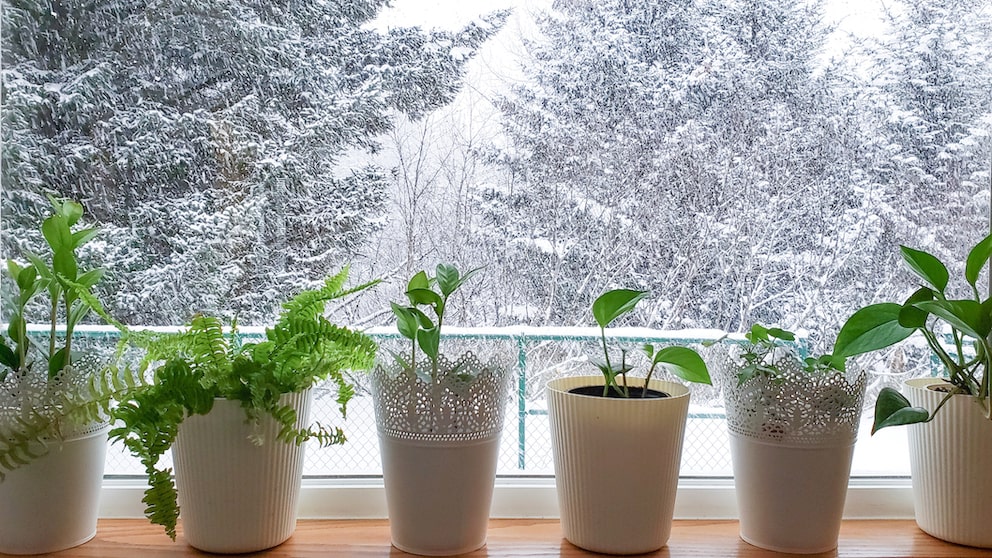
(439, 447)
(237, 496)
(790, 499)
(52, 503)
(616, 464)
(951, 464)
(792, 441)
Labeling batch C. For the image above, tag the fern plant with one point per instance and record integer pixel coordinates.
(204, 362)
(47, 387)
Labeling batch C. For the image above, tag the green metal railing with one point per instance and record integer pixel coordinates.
(520, 339)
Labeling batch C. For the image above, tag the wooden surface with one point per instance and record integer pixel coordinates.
(519, 538)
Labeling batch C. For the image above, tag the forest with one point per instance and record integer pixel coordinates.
(733, 157)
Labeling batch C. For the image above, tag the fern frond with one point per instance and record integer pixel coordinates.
(23, 441)
(161, 500)
(325, 436)
(308, 305)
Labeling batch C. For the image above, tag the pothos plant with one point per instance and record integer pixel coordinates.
(431, 293)
(681, 361)
(45, 384)
(931, 311)
(204, 362)
(765, 348)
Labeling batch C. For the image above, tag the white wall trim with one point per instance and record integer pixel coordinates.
(533, 497)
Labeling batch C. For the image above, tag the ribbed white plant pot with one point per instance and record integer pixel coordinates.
(52, 503)
(616, 464)
(951, 464)
(792, 440)
(235, 495)
(440, 445)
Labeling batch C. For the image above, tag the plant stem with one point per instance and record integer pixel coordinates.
(51, 330)
(606, 353)
(68, 336)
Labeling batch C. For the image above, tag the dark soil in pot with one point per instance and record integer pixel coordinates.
(635, 392)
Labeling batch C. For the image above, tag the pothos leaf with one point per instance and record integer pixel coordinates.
(613, 304)
(893, 409)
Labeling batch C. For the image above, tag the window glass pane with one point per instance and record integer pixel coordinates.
(744, 160)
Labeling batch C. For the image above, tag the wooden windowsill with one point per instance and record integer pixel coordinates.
(518, 538)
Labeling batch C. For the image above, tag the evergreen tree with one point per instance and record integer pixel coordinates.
(932, 86)
(700, 150)
(208, 137)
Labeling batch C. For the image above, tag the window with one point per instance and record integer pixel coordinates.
(744, 160)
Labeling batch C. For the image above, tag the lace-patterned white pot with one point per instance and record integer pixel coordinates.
(235, 495)
(792, 441)
(951, 463)
(53, 502)
(440, 444)
(616, 464)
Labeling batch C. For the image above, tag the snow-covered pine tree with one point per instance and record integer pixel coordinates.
(700, 150)
(606, 83)
(208, 137)
(931, 82)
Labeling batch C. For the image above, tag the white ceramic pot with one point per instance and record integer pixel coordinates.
(440, 446)
(951, 464)
(52, 503)
(616, 464)
(792, 440)
(237, 496)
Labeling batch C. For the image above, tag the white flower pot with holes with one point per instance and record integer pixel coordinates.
(236, 495)
(792, 440)
(951, 464)
(440, 446)
(616, 464)
(52, 503)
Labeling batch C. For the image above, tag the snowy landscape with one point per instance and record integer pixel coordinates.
(743, 160)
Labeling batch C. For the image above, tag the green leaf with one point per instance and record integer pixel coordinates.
(7, 357)
(91, 277)
(684, 363)
(447, 278)
(13, 269)
(17, 330)
(870, 329)
(965, 315)
(419, 281)
(613, 304)
(57, 362)
(423, 319)
(912, 317)
(926, 266)
(430, 342)
(782, 334)
(424, 296)
(406, 322)
(26, 278)
(64, 264)
(757, 333)
(977, 258)
(56, 232)
(82, 237)
(893, 409)
(71, 210)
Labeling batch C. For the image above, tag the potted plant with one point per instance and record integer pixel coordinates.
(951, 455)
(617, 442)
(54, 396)
(793, 423)
(439, 421)
(236, 417)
